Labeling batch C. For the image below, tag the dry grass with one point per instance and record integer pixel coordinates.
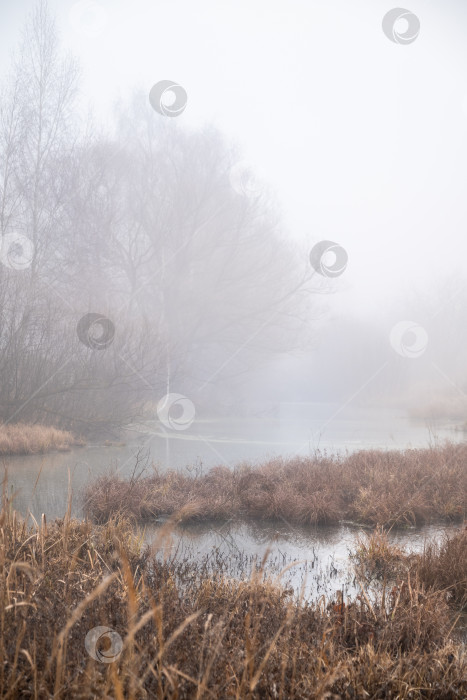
(441, 566)
(25, 439)
(376, 487)
(375, 557)
(189, 635)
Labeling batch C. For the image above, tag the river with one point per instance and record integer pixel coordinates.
(320, 555)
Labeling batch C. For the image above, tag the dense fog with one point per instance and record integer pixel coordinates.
(225, 211)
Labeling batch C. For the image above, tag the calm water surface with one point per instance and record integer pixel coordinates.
(41, 482)
(313, 561)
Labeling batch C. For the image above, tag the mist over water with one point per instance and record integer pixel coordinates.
(235, 243)
(42, 483)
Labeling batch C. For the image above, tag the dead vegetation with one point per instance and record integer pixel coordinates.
(25, 439)
(186, 634)
(375, 487)
(441, 566)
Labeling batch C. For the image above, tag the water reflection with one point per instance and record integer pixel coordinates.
(313, 561)
(41, 482)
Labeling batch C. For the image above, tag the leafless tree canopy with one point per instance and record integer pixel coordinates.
(142, 227)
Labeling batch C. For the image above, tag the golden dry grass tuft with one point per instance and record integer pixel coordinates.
(441, 566)
(375, 557)
(24, 439)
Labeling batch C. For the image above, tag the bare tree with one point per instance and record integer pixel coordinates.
(210, 267)
(142, 234)
(47, 373)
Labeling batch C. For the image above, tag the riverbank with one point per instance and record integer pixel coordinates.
(88, 612)
(372, 487)
(26, 439)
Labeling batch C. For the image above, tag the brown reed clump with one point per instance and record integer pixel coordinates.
(376, 487)
(441, 566)
(376, 558)
(176, 632)
(24, 439)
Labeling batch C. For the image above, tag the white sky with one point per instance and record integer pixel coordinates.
(363, 140)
